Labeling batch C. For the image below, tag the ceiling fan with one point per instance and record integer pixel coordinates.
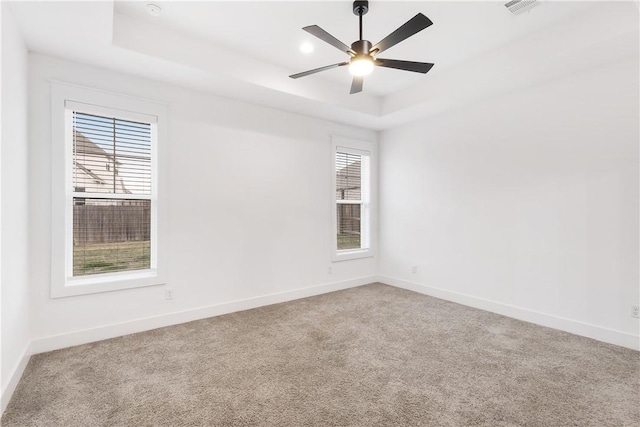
(363, 55)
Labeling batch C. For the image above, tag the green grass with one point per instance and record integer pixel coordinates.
(348, 241)
(109, 257)
(124, 256)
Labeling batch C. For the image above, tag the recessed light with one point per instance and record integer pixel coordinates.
(306, 48)
(154, 9)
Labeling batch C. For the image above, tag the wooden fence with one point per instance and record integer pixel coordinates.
(348, 219)
(106, 224)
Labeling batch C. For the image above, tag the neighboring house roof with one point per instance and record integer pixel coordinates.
(89, 172)
(85, 146)
(87, 151)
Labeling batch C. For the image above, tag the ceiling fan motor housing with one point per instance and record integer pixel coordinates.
(361, 47)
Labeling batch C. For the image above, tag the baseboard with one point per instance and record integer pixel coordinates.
(14, 378)
(41, 345)
(577, 327)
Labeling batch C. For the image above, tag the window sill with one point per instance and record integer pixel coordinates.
(106, 283)
(352, 254)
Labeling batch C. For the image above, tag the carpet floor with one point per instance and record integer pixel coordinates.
(369, 356)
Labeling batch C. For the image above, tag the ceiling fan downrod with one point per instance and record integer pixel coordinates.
(361, 47)
(360, 8)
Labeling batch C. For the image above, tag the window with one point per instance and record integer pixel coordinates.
(111, 229)
(107, 225)
(352, 179)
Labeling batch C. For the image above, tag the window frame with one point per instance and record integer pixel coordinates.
(64, 97)
(359, 147)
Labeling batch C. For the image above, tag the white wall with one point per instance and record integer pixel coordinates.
(14, 155)
(249, 207)
(525, 204)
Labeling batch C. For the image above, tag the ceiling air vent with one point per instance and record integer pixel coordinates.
(519, 6)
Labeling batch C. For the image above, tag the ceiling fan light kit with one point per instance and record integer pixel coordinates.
(363, 54)
(360, 66)
(361, 63)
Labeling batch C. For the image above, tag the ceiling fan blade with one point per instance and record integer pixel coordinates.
(328, 38)
(356, 84)
(317, 70)
(409, 28)
(417, 67)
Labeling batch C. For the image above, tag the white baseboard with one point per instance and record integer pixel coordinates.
(577, 327)
(14, 378)
(41, 345)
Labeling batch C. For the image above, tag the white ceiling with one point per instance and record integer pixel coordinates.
(246, 49)
(271, 31)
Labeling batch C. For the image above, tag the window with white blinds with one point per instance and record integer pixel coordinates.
(108, 174)
(112, 193)
(352, 196)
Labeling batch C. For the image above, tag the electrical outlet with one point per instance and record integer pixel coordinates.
(329, 270)
(414, 269)
(168, 294)
(635, 311)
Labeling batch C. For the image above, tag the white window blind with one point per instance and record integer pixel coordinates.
(112, 194)
(352, 200)
(111, 155)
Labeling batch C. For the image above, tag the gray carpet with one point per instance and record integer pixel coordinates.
(369, 356)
